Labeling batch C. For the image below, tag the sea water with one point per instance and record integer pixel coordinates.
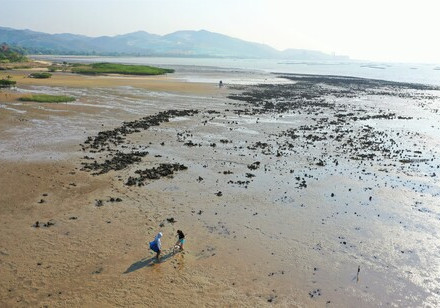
(205, 68)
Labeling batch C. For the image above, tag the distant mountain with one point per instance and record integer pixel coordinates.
(179, 44)
(214, 44)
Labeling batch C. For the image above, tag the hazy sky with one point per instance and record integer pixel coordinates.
(382, 30)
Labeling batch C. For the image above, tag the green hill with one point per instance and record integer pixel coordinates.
(200, 43)
(11, 54)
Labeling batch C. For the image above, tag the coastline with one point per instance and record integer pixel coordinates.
(398, 72)
(252, 241)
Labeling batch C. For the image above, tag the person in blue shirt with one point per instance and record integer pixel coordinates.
(156, 245)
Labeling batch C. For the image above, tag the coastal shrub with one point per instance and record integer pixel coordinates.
(21, 66)
(4, 83)
(115, 68)
(46, 98)
(40, 75)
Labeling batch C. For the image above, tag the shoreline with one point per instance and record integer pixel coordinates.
(258, 233)
(398, 72)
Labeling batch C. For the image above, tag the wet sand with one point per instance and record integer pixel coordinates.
(289, 189)
(153, 83)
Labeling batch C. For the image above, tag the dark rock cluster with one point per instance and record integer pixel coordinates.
(113, 137)
(111, 141)
(163, 170)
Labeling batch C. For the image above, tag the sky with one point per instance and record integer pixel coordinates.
(377, 30)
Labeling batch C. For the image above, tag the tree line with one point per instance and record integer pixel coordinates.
(12, 53)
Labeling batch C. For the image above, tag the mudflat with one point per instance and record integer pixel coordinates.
(318, 191)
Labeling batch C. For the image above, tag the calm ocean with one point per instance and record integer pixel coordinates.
(403, 72)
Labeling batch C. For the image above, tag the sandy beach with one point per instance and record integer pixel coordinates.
(315, 192)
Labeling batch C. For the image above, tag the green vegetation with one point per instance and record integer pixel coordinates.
(114, 68)
(10, 54)
(5, 83)
(46, 98)
(40, 75)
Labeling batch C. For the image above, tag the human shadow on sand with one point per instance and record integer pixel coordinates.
(148, 262)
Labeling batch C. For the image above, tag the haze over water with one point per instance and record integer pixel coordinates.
(401, 72)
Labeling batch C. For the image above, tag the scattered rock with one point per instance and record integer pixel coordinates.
(254, 165)
(115, 199)
(315, 293)
(38, 224)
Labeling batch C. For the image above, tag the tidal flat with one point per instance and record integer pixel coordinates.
(314, 191)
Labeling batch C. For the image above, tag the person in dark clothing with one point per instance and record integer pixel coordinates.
(181, 239)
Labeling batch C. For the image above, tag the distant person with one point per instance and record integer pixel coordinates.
(156, 245)
(181, 239)
(220, 84)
